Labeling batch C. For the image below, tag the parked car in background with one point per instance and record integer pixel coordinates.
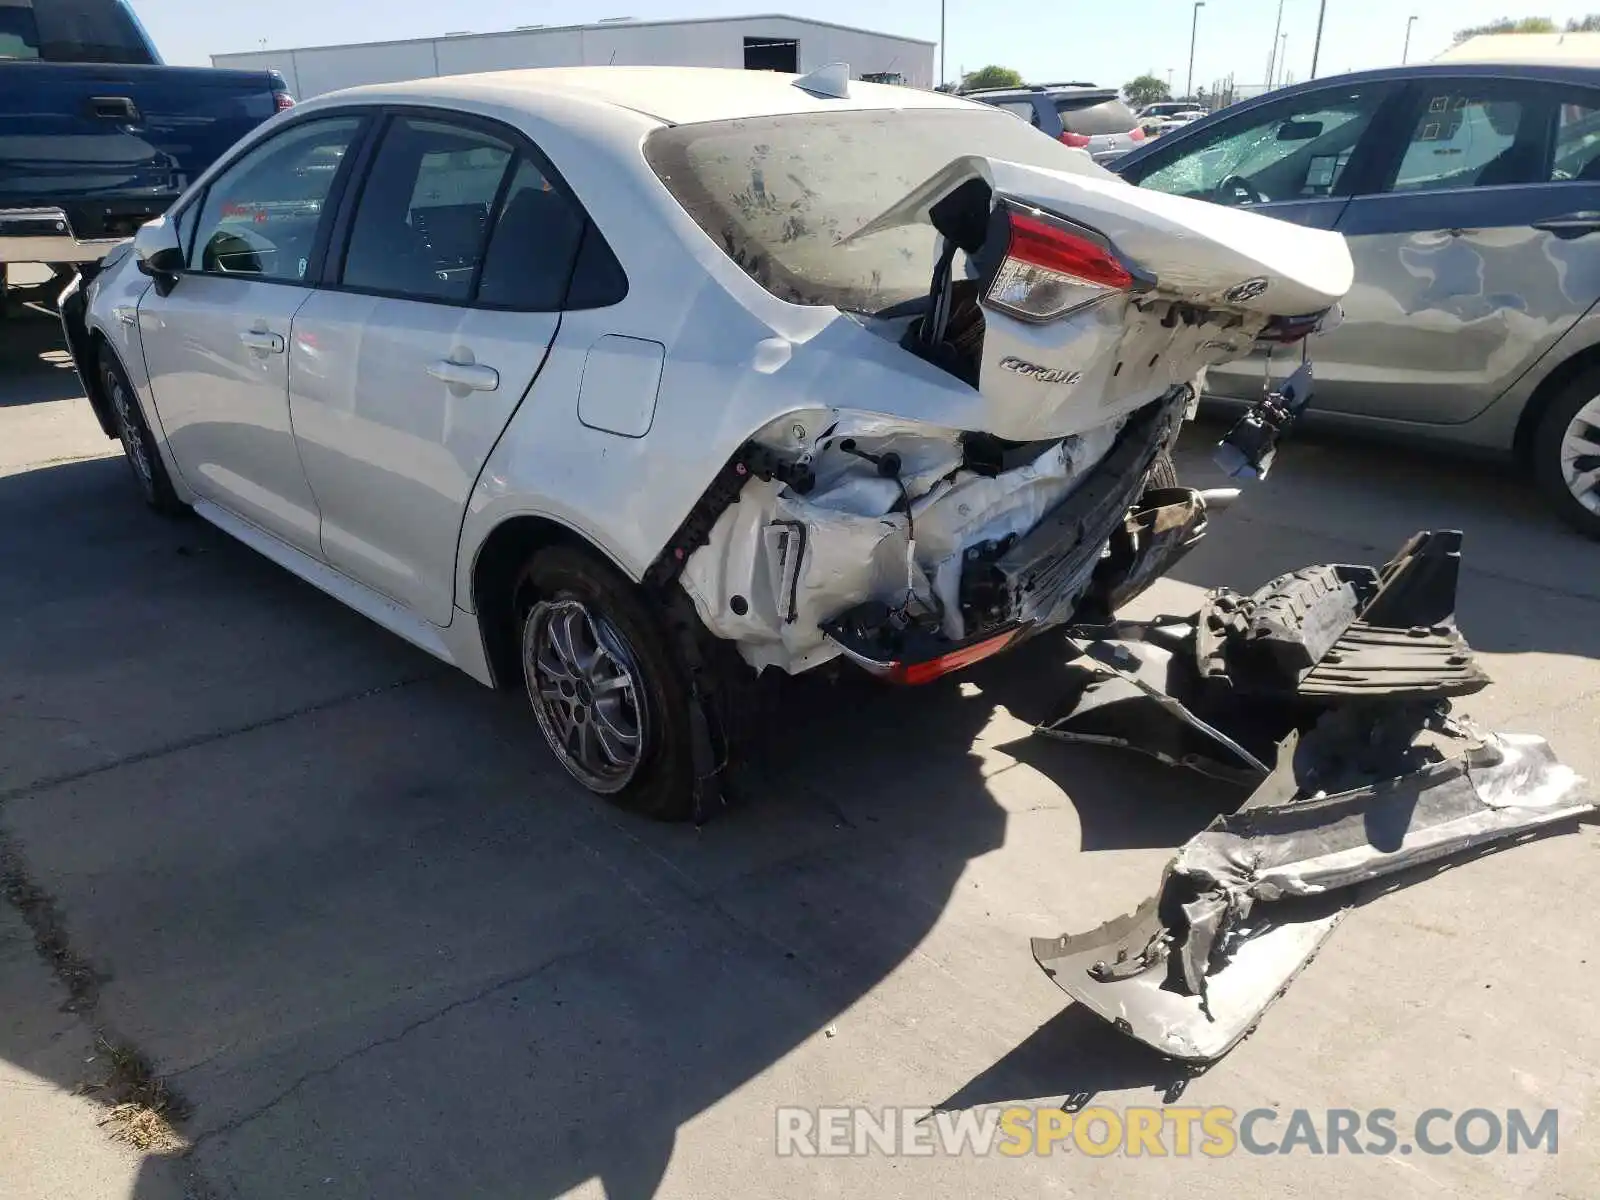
(1469, 194)
(620, 385)
(96, 134)
(1092, 119)
(1156, 119)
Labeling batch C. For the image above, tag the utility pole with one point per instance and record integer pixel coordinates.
(1316, 47)
(1406, 52)
(1283, 60)
(1194, 30)
(942, 79)
(1272, 55)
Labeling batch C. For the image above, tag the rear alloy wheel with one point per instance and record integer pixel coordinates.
(1566, 449)
(607, 689)
(149, 472)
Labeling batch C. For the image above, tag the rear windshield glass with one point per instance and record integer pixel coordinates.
(72, 31)
(778, 193)
(1090, 117)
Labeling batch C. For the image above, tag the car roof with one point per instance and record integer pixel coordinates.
(673, 95)
(1553, 71)
(1034, 89)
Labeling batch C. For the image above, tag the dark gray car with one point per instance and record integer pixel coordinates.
(1093, 119)
(1470, 198)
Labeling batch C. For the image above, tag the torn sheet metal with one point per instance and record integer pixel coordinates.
(1247, 902)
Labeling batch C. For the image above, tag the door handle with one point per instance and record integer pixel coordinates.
(1573, 225)
(261, 341)
(470, 376)
(114, 108)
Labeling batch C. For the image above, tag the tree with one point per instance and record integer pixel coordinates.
(990, 77)
(1146, 89)
(1510, 25)
(1589, 24)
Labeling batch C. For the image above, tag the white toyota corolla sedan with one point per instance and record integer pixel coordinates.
(623, 385)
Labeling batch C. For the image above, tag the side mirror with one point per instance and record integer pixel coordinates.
(159, 252)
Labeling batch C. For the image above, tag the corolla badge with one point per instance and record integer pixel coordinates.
(1040, 374)
(1248, 290)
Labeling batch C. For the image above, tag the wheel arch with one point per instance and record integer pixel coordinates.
(1549, 389)
(495, 567)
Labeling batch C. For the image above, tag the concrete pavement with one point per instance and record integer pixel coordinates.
(349, 908)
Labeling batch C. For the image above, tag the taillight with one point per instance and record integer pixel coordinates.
(1076, 140)
(283, 100)
(1049, 271)
(1137, 133)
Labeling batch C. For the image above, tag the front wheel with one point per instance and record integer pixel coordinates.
(607, 689)
(139, 447)
(1566, 454)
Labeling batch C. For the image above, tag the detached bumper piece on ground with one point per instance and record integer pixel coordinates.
(1329, 690)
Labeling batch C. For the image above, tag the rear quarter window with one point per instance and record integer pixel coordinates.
(1092, 117)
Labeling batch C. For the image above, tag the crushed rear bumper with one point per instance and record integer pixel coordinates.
(1329, 692)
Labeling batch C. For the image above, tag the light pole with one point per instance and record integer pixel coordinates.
(1272, 55)
(1283, 59)
(1316, 47)
(1194, 29)
(942, 79)
(1406, 51)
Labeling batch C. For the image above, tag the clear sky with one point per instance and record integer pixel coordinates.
(1107, 42)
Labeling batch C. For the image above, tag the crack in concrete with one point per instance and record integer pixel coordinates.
(190, 743)
(234, 1124)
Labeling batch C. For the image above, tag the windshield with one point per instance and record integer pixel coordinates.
(778, 193)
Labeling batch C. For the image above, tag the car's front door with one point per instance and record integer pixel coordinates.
(1477, 250)
(1297, 159)
(457, 251)
(215, 345)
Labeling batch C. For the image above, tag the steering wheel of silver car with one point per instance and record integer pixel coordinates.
(132, 435)
(1580, 456)
(583, 681)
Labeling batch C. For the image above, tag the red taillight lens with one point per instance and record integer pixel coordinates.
(912, 674)
(1138, 133)
(1076, 140)
(1049, 271)
(283, 100)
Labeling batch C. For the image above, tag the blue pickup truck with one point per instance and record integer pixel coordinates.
(97, 136)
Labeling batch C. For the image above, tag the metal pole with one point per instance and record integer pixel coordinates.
(1316, 47)
(1283, 60)
(1194, 30)
(942, 80)
(1406, 52)
(1272, 55)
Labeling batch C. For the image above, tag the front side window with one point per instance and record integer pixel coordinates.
(1474, 138)
(1298, 152)
(261, 215)
(422, 224)
(778, 194)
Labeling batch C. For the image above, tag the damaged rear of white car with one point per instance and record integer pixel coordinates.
(937, 518)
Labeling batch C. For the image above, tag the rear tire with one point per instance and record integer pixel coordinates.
(1163, 472)
(607, 687)
(1566, 454)
(138, 446)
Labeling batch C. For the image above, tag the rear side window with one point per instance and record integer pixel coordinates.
(72, 31)
(1577, 153)
(535, 243)
(422, 224)
(1092, 116)
(1019, 108)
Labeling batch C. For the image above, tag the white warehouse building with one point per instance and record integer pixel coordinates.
(770, 43)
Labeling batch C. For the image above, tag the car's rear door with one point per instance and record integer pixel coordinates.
(1476, 251)
(215, 344)
(456, 250)
(1298, 159)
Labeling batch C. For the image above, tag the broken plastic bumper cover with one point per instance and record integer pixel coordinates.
(1347, 669)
